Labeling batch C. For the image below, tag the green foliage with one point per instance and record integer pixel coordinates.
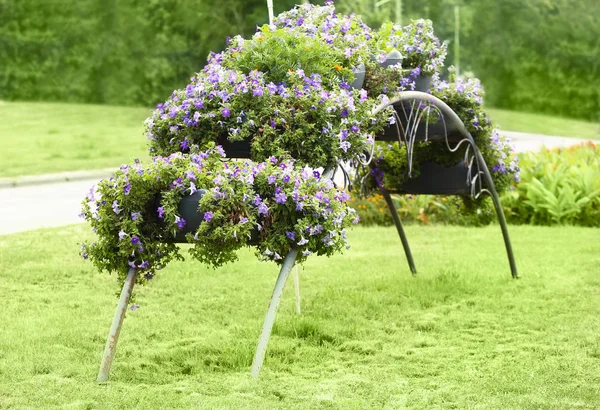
(536, 55)
(116, 52)
(560, 186)
(277, 52)
(424, 210)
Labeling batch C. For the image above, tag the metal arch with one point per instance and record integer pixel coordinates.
(482, 166)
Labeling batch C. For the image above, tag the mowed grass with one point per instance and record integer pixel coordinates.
(461, 334)
(544, 124)
(37, 138)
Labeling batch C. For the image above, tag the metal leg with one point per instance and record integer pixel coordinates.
(499, 212)
(115, 329)
(396, 218)
(265, 334)
(297, 291)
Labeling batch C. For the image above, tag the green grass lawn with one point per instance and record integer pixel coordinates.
(544, 124)
(37, 138)
(462, 334)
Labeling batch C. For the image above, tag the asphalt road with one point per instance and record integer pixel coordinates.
(23, 208)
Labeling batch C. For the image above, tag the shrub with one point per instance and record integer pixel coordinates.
(558, 186)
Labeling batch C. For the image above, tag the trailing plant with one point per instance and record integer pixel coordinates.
(135, 213)
(419, 47)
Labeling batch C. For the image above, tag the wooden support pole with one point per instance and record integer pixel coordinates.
(115, 329)
(265, 334)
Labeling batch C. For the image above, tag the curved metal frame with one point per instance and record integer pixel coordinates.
(482, 167)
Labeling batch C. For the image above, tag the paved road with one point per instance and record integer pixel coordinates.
(533, 142)
(36, 206)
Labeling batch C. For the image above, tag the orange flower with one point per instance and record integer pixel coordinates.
(260, 38)
(337, 67)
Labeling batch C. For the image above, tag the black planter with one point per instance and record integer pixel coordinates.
(434, 179)
(234, 149)
(188, 210)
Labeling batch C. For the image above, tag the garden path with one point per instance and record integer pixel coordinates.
(28, 207)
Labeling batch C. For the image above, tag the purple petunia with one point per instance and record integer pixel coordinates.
(180, 222)
(280, 198)
(161, 212)
(226, 112)
(208, 216)
(271, 179)
(127, 189)
(290, 235)
(263, 209)
(115, 207)
(122, 235)
(135, 215)
(135, 240)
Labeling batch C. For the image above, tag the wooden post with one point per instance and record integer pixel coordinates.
(265, 334)
(115, 329)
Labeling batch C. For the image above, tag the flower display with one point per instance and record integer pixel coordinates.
(240, 205)
(287, 94)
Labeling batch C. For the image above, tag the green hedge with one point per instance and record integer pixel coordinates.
(534, 55)
(123, 52)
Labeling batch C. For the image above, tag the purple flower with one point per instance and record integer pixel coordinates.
(161, 212)
(208, 216)
(122, 235)
(84, 255)
(262, 209)
(135, 215)
(135, 240)
(193, 189)
(290, 235)
(131, 264)
(271, 179)
(180, 222)
(127, 189)
(226, 112)
(316, 174)
(149, 276)
(243, 220)
(144, 265)
(184, 145)
(190, 175)
(280, 198)
(134, 307)
(90, 195)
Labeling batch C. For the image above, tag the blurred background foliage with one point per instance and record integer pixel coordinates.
(531, 55)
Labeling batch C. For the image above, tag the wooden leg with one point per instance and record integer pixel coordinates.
(115, 329)
(265, 334)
